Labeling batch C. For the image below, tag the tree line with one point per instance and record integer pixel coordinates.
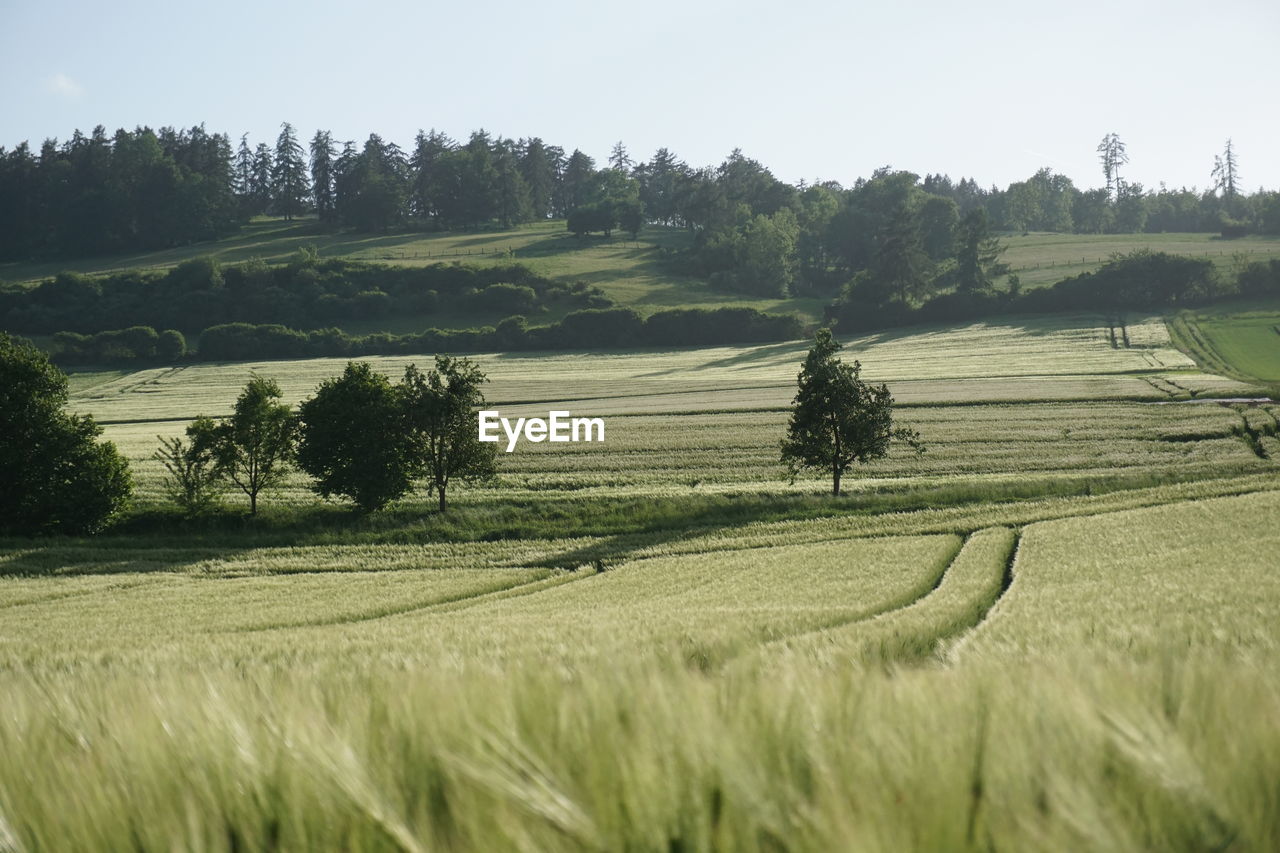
(590, 328)
(306, 292)
(1140, 280)
(145, 189)
(359, 437)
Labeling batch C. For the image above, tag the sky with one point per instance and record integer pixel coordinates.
(813, 90)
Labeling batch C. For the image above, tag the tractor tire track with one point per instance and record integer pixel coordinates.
(450, 603)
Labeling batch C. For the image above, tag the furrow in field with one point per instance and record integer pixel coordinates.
(63, 595)
(462, 597)
(910, 599)
(971, 584)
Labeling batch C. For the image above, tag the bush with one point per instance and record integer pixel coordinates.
(57, 477)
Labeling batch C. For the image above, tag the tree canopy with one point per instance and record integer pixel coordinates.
(56, 475)
(440, 411)
(353, 440)
(837, 418)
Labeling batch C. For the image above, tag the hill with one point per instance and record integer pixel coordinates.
(634, 273)
(631, 272)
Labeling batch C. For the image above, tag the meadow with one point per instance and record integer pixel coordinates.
(634, 273)
(1054, 630)
(1241, 338)
(1041, 259)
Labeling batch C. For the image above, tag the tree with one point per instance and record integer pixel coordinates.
(289, 190)
(576, 181)
(171, 346)
(57, 477)
(539, 175)
(440, 409)
(353, 441)
(1226, 172)
(254, 446)
(900, 265)
(977, 251)
(260, 180)
(242, 176)
(322, 154)
(1112, 154)
(838, 419)
(194, 482)
(620, 160)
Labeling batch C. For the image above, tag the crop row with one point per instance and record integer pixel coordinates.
(1140, 583)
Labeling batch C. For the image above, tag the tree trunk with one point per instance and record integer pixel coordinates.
(835, 481)
(253, 503)
(442, 498)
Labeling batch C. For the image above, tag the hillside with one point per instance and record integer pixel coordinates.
(634, 273)
(631, 273)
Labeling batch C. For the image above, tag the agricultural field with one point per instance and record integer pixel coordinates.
(1241, 339)
(1055, 629)
(1041, 259)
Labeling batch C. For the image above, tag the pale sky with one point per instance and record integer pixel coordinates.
(990, 90)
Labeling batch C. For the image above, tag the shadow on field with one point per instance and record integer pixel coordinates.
(80, 558)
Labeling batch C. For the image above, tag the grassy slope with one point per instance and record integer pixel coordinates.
(630, 272)
(1239, 338)
(1044, 258)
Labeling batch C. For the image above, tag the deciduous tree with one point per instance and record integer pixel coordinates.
(194, 482)
(254, 446)
(440, 416)
(353, 439)
(57, 476)
(837, 418)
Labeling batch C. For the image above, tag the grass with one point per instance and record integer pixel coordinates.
(1041, 259)
(631, 272)
(1052, 631)
(1237, 339)
(1145, 584)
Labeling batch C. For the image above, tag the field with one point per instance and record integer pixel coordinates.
(1240, 339)
(1054, 630)
(1041, 259)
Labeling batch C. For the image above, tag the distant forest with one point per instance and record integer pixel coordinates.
(893, 238)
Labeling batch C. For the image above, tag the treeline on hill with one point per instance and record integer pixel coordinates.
(306, 292)
(147, 189)
(591, 328)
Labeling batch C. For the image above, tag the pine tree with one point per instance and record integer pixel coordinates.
(1111, 152)
(260, 180)
(322, 168)
(619, 160)
(538, 171)
(1226, 173)
(426, 184)
(242, 172)
(289, 175)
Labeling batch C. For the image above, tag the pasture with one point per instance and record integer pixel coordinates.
(1241, 339)
(1053, 630)
(1040, 259)
(631, 272)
